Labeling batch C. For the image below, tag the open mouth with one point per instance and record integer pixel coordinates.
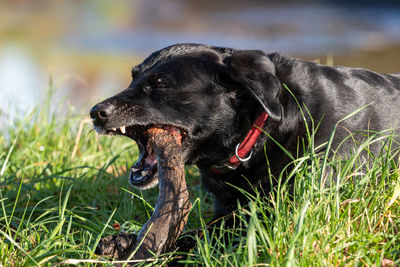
(144, 171)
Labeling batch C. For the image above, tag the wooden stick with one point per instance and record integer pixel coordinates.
(166, 224)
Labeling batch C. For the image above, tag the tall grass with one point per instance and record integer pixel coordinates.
(355, 221)
(62, 187)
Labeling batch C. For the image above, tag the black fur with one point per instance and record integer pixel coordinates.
(215, 94)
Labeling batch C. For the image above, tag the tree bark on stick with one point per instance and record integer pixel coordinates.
(166, 224)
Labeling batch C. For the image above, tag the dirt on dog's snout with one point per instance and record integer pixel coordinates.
(159, 233)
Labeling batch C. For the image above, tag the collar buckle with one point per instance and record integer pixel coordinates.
(243, 159)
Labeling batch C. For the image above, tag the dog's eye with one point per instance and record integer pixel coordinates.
(159, 82)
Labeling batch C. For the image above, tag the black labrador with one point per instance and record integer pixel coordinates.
(219, 98)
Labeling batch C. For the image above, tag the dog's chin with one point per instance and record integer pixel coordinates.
(144, 172)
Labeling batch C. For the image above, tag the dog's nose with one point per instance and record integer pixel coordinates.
(101, 113)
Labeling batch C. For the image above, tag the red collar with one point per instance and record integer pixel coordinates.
(245, 148)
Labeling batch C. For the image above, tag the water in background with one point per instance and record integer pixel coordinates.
(88, 47)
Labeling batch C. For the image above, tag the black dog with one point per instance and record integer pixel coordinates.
(215, 96)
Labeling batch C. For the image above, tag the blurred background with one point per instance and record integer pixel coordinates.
(86, 48)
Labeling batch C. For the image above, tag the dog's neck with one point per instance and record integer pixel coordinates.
(243, 150)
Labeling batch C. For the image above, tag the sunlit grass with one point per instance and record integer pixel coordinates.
(355, 221)
(62, 187)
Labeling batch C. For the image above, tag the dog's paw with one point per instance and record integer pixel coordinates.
(116, 246)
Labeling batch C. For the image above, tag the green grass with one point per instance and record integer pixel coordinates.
(61, 189)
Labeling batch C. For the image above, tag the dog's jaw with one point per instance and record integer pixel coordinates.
(144, 173)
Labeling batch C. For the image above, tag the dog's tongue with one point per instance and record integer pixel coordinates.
(151, 158)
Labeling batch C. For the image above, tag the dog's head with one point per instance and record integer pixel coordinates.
(210, 95)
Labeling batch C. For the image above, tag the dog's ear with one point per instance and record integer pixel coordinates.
(256, 72)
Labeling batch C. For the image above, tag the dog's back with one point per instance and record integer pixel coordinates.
(330, 93)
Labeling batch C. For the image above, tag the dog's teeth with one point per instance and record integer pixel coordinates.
(114, 129)
(134, 169)
(122, 129)
(144, 173)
